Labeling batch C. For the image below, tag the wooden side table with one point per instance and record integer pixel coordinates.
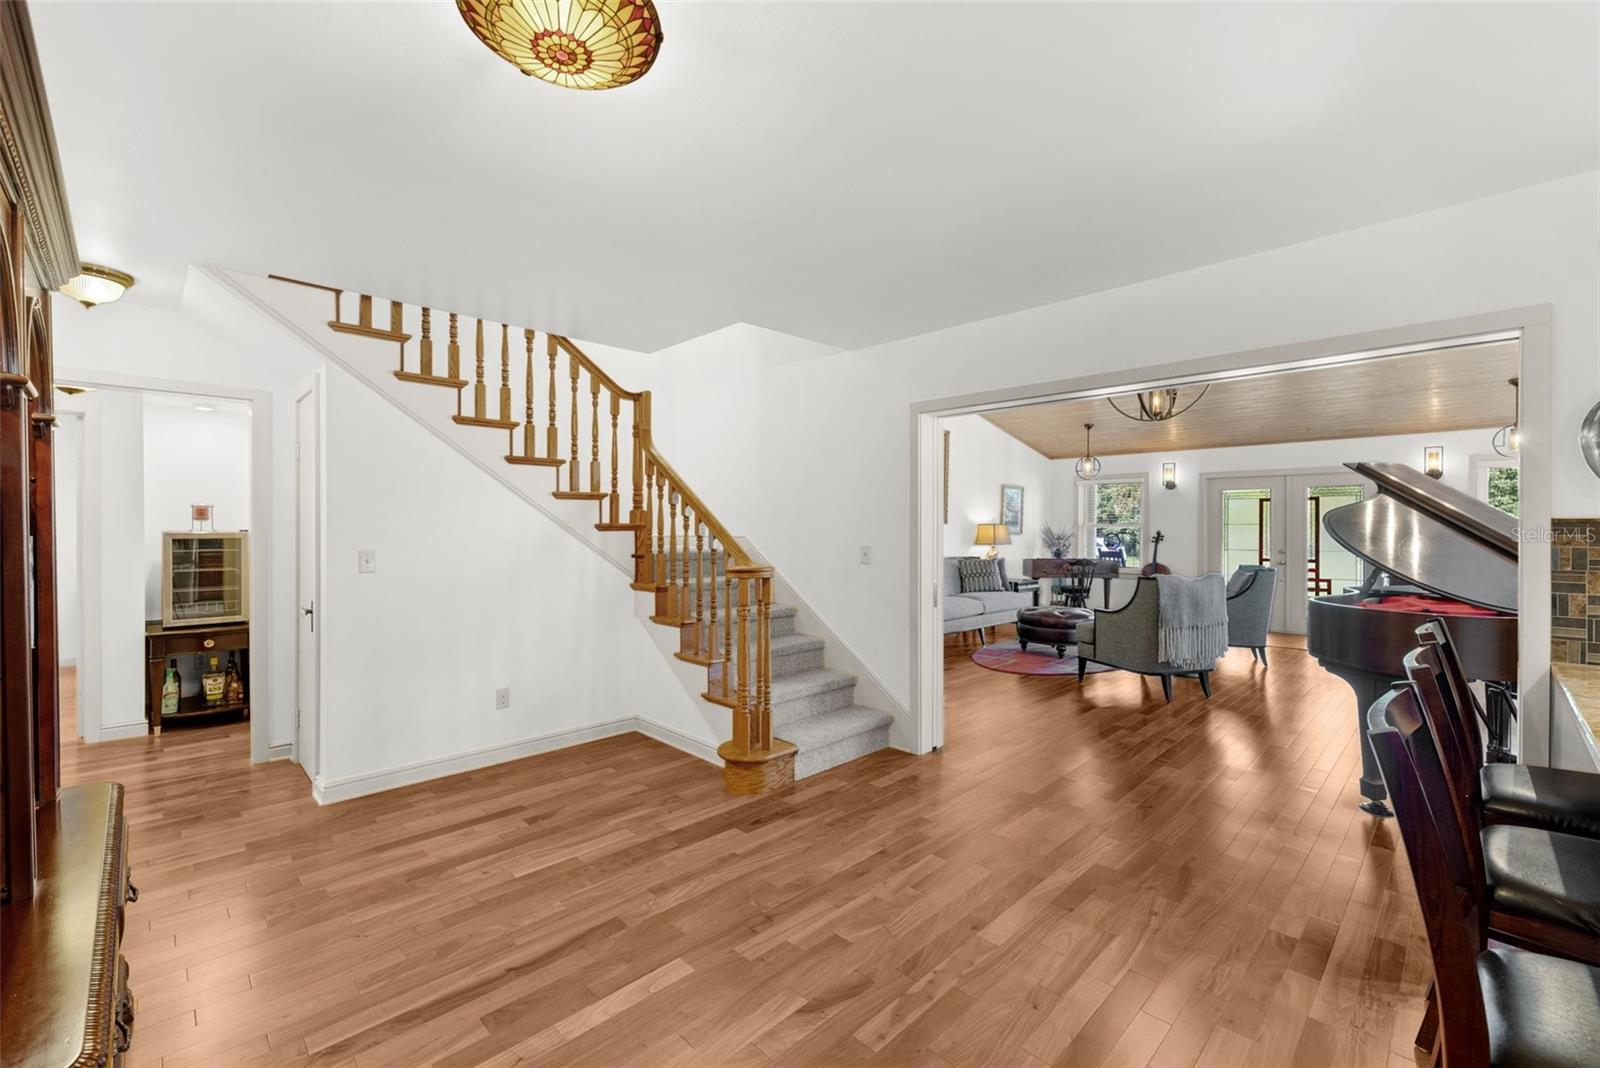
(163, 643)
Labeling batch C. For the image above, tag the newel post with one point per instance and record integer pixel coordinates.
(754, 762)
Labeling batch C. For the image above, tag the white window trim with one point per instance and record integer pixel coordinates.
(1085, 525)
(1479, 466)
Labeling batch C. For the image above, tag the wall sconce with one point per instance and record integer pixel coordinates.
(1169, 475)
(1433, 461)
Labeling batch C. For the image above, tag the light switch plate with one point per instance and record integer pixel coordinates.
(502, 697)
(366, 561)
(866, 554)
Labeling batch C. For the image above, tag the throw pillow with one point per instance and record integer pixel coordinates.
(979, 575)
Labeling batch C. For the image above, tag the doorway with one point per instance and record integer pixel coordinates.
(1276, 520)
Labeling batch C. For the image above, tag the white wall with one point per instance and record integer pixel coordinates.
(68, 496)
(982, 457)
(1180, 512)
(831, 467)
(111, 667)
(474, 590)
(191, 457)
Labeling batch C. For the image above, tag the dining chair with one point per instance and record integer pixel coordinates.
(1542, 886)
(1504, 1007)
(1556, 799)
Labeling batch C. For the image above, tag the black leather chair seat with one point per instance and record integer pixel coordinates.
(1542, 1010)
(1551, 798)
(1544, 875)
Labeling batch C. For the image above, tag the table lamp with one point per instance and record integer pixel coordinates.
(993, 535)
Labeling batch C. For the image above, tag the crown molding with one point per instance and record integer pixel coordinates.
(30, 169)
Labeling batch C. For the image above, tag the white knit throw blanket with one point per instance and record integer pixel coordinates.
(1194, 620)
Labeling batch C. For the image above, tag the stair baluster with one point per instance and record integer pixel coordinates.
(683, 574)
(552, 440)
(594, 432)
(614, 502)
(505, 373)
(480, 392)
(699, 587)
(708, 638)
(453, 357)
(425, 346)
(573, 369)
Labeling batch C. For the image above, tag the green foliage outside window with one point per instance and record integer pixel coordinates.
(1503, 488)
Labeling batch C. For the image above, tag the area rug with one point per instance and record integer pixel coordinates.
(1038, 660)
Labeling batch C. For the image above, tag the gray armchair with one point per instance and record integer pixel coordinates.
(1250, 592)
(1128, 638)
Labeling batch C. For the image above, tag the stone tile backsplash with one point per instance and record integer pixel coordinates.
(1575, 591)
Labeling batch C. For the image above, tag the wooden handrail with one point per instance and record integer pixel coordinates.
(589, 365)
(736, 554)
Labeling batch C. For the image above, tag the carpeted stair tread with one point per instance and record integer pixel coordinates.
(816, 731)
(838, 737)
(817, 692)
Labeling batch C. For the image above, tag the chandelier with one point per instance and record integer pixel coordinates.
(1156, 405)
(1088, 465)
(1508, 439)
(578, 44)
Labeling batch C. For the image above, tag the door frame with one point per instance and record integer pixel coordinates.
(309, 762)
(1292, 572)
(263, 616)
(1531, 323)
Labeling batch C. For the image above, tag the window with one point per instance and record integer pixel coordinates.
(1496, 481)
(1111, 520)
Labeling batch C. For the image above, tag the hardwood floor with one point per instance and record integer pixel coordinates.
(1084, 876)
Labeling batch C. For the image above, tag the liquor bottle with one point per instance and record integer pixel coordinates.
(233, 683)
(169, 690)
(211, 683)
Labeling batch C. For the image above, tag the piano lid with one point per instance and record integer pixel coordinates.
(1431, 536)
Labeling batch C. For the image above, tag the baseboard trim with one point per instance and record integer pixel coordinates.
(677, 740)
(281, 751)
(121, 731)
(328, 792)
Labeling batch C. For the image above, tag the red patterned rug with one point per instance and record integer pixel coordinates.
(1038, 660)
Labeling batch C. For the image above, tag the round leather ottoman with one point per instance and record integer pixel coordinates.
(1051, 626)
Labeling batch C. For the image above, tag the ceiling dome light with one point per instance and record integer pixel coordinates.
(95, 284)
(1158, 405)
(1088, 465)
(578, 44)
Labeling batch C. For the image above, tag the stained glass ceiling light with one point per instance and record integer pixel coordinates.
(578, 44)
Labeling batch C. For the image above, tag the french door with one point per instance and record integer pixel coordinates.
(1276, 521)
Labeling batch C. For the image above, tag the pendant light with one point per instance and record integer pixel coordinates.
(1088, 465)
(1157, 405)
(1507, 440)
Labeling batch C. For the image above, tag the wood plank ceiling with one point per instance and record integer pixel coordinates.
(1460, 388)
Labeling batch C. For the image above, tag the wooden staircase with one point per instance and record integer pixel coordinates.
(705, 585)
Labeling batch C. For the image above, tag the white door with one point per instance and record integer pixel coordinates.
(305, 450)
(1318, 565)
(1245, 525)
(1276, 520)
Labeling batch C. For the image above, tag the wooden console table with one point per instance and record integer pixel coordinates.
(1045, 567)
(65, 984)
(163, 643)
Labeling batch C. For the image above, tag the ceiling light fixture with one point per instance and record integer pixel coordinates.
(577, 44)
(1088, 465)
(95, 284)
(1158, 405)
(1507, 441)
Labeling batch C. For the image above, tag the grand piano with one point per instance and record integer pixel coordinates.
(1431, 551)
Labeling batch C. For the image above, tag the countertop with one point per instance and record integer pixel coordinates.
(1582, 685)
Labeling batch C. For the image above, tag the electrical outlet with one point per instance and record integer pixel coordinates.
(866, 554)
(366, 561)
(502, 697)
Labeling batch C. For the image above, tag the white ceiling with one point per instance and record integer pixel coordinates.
(847, 172)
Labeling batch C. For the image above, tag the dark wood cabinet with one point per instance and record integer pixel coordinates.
(64, 991)
(161, 644)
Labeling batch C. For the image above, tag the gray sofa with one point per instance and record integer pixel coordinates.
(975, 611)
(1127, 638)
(1250, 608)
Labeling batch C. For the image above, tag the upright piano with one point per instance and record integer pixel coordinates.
(1431, 551)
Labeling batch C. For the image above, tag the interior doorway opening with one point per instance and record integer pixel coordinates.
(1309, 563)
(155, 501)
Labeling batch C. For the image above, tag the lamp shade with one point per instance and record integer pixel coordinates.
(577, 44)
(992, 534)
